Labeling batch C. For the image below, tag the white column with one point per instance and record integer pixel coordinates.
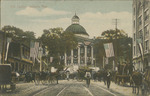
(65, 59)
(85, 55)
(72, 56)
(78, 55)
(92, 55)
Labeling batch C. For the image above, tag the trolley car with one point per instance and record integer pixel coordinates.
(6, 78)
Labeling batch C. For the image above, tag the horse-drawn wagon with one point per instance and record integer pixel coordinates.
(146, 82)
(6, 78)
(81, 73)
(123, 74)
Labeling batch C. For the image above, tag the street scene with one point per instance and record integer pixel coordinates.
(75, 48)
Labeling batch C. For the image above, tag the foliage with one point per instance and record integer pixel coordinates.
(57, 43)
(18, 34)
(114, 34)
(121, 43)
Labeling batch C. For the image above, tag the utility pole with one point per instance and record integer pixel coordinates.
(116, 45)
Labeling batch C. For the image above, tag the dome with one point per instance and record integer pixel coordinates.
(77, 29)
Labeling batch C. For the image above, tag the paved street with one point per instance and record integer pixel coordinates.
(64, 88)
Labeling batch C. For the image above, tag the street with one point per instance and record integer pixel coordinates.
(64, 88)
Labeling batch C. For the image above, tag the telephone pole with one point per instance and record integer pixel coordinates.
(116, 43)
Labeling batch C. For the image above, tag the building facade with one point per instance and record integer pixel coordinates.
(141, 35)
(19, 57)
(83, 54)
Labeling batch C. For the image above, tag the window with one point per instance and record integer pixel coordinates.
(134, 51)
(146, 14)
(139, 8)
(140, 20)
(134, 36)
(140, 34)
(146, 45)
(82, 50)
(134, 24)
(146, 30)
(146, 3)
(134, 11)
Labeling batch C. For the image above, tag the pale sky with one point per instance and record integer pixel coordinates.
(95, 16)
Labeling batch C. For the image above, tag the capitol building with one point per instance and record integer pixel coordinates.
(83, 54)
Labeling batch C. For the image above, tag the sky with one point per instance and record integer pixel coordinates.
(95, 16)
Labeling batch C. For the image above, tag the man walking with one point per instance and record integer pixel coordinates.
(88, 77)
(108, 79)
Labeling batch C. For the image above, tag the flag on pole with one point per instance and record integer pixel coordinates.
(36, 49)
(32, 49)
(8, 42)
(139, 41)
(109, 49)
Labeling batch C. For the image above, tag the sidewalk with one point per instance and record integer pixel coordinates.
(126, 91)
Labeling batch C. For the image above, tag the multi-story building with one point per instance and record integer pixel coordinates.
(141, 35)
(19, 57)
(16, 54)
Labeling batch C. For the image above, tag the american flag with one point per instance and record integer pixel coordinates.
(8, 42)
(141, 50)
(32, 49)
(109, 49)
(139, 41)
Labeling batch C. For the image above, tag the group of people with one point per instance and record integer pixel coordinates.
(108, 78)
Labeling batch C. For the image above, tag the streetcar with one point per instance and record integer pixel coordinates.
(6, 78)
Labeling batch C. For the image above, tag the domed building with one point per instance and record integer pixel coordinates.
(83, 55)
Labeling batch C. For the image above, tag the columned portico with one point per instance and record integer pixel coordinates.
(79, 57)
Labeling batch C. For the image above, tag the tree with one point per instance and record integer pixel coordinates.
(121, 43)
(114, 34)
(99, 51)
(57, 42)
(18, 34)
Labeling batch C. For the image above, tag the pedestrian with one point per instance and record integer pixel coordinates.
(67, 73)
(57, 76)
(108, 79)
(88, 77)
